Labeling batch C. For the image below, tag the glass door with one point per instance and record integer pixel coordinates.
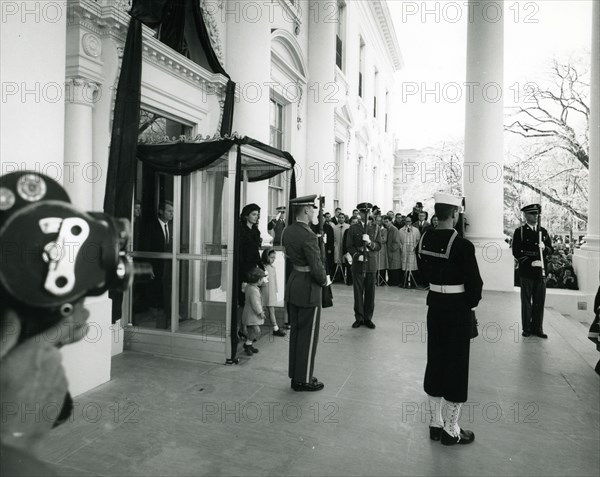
(182, 233)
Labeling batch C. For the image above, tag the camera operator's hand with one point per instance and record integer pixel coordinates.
(32, 387)
(69, 329)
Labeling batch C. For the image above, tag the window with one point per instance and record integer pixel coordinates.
(154, 127)
(387, 108)
(339, 151)
(359, 179)
(276, 184)
(339, 37)
(361, 66)
(375, 88)
(276, 124)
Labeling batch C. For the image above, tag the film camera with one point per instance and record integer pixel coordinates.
(52, 254)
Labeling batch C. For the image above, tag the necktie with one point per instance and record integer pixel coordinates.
(166, 235)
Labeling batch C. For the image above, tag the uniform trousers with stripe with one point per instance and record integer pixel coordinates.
(304, 336)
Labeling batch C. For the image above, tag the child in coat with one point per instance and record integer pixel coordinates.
(253, 315)
(269, 289)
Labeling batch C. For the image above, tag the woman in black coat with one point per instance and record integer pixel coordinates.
(249, 248)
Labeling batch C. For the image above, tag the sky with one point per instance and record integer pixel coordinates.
(432, 36)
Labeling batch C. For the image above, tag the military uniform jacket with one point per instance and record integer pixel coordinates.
(444, 258)
(277, 227)
(355, 244)
(526, 249)
(302, 249)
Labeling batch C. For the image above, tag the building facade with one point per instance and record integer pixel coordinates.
(313, 78)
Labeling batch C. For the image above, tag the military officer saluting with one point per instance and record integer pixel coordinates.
(275, 227)
(531, 245)
(303, 293)
(448, 263)
(364, 243)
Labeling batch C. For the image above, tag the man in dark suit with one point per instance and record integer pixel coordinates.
(398, 221)
(422, 223)
(531, 245)
(303, 291)
(157, 237)
(336, 215)
(364, 243)
(329, 244)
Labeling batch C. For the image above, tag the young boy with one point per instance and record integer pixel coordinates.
(253, 315)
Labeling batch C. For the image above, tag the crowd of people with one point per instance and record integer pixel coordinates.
(395, 261)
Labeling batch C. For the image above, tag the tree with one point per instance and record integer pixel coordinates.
(553, 125)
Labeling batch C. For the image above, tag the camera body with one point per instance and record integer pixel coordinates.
(51, 253)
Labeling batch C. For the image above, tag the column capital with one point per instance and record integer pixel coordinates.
(80, 90)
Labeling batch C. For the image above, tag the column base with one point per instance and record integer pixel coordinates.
(495, 261)
(586, 263)
(118, 338)
(87, 362)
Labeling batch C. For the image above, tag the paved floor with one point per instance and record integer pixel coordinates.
(533, 405)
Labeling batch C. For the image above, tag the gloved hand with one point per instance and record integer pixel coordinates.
(361, 258)
(366, 239)
(542, 246)
(328, 282)
(536, 263)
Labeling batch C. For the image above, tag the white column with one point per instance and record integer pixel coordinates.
(484, 143)
(249, 64)
(586, 260)
(79, 170)
(32, 75)
(321, 120)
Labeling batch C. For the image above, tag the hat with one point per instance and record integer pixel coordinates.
(306, 200)
(441, 198)
(281, 208)
(364, 206)
(252, 276)
(248, 209)
(532, 208)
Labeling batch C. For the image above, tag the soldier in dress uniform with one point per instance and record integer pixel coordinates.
(529, 251)
(448, 263)
(303, 293)
(364, 243)
(275, 227)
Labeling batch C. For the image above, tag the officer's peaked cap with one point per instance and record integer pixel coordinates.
(306, 200)
(532, 208)
(364, 206)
